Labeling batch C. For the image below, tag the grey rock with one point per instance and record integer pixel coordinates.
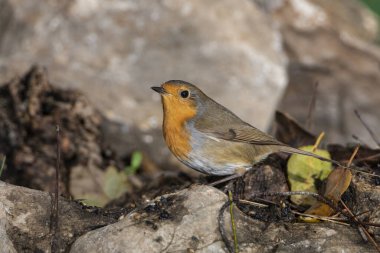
(115, 50)
(25, 221)
(342, 16)
(5, 242)
(190, 225)
(331, 42)
(179, 222)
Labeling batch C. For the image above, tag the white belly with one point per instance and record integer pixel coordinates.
(207, 166)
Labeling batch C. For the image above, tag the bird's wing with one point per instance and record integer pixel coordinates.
(242, 132)
(247, 134)
(227, 126)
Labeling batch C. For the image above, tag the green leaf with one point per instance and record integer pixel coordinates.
(94, 200)
(304, 171)
(136, 161)
(115, 183)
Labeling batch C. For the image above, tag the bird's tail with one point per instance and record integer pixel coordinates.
(353, 167)
(292, 150)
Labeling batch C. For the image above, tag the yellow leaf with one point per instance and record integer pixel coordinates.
(304, 171)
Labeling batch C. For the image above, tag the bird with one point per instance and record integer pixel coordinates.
(209, 138)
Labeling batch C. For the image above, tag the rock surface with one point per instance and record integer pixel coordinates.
(332, 43)
(178, 222)
(187, 221)
(25, 220)
(174, 223)
(115, 50)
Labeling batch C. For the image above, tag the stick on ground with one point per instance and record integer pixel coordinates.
(374, 137)
(55, 207)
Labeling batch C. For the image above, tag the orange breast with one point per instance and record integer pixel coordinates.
(176, 135)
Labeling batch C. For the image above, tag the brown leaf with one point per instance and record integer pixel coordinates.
(336, 184)
(292, 133)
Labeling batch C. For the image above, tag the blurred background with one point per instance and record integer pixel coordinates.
(253, 56)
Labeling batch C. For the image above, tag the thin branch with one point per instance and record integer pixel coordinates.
(251, 203)
(374, 137)
(318, 141)
(55, 208)
(260, 205)
(356, 138)
(320, 198)
(222, 231)
(333, 219)
(371, 224)
(371, 157)
(324, 218)
(362, 213)
(351, 218)
(287, 194)
(2, 165)
(58, 168)
(369, 237)
(353, 155)
(233, 221)
(357, 169)
(311, 109)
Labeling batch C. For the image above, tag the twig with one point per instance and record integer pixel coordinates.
(2, 165)
(362, 213)
(318, 141)
(247, 202)
(58, 168)
(371, 224)
(311, 109)
(221, 227)
(375, 139)
(356, 138)
(55, 208)
(353, 155)
(369, 237)
(371, 157)
(287, 194)
(332, 219)
(324, 218)
(347, 213)
(357, 169)
(320, 198)
(352, 219)
(233, 221)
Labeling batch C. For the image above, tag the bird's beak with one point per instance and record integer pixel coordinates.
(158, 89)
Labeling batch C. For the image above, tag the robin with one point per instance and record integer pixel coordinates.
(208, 137)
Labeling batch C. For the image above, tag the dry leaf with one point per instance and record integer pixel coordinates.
(336, 184)
(290, 132)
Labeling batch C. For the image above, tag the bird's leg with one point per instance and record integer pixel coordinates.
(239, 186)
(238, 173)
(225, 179)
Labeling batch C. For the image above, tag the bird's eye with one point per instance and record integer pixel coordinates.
(184, 93)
